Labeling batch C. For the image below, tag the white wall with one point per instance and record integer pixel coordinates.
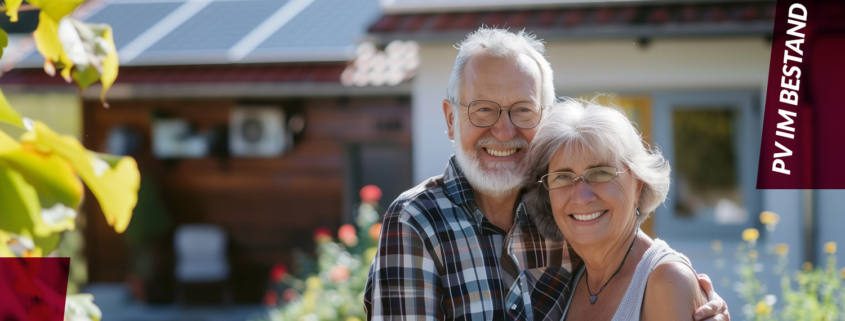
(592, 66)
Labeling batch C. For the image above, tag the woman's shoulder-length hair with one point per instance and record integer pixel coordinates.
(580, 126)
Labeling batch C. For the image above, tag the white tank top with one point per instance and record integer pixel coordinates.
(632, 302)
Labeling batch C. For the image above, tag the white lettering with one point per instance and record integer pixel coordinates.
(781, 168)
(789, 97)
(793, 15)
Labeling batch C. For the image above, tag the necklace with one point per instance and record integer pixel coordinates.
(595, 297)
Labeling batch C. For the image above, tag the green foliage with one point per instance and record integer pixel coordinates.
(41, 174)
(335, 289)
(811, 294)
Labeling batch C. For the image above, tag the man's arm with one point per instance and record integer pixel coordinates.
(404, 282)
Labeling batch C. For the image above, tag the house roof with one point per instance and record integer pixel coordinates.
(275, 73)
(184, 32)
(588, 19)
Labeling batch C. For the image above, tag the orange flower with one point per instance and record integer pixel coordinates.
(808, 266)
(375, 231)
(347, 235)
(339, 273)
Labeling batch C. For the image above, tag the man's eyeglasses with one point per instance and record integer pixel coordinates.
(485, 113)
(593, 175)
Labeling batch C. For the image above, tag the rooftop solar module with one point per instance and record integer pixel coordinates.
(218, 26)
(232, 31)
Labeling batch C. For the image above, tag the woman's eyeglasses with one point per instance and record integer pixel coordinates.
(593, 175)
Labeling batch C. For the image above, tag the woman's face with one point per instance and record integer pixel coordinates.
(591, 214)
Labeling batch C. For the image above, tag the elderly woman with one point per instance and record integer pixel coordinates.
(593, 179)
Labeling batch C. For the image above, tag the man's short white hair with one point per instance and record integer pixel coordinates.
(504, 44)
(580, 127)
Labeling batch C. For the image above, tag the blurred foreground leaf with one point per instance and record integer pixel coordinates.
(12, 9)
(115, 185)
(7, 114)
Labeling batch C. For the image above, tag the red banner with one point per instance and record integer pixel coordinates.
(33, 288)
(803, 141)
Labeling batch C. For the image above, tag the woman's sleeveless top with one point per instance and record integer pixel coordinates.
(632, 302)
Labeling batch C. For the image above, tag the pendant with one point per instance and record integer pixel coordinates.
(593, 298)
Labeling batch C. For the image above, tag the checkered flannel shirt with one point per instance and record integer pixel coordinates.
(439, 258)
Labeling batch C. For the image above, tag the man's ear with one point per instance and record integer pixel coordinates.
(447, 111)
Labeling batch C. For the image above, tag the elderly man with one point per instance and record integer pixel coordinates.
(451, 247)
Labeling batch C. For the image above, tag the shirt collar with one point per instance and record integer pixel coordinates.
(456, 184)
(459, 191)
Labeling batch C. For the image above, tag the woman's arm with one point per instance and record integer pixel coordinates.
(672, 293)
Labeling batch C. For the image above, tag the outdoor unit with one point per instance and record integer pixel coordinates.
(257, 132)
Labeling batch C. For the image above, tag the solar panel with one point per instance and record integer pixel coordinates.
(128, 20)
(218, 26)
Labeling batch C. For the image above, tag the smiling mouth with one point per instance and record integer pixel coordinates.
(501, 153)
(588, 217)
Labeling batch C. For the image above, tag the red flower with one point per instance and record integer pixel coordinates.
(279, 270)
(322, 235)
(271, 298)
(370, 194)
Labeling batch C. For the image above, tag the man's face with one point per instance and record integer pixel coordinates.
(493, 157)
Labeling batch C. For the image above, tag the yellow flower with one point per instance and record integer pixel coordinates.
(769, 218)
(353, 319)
(750, 234)
(842, 273)
(313, 283)
(752, 254)
(830, 247)
(762, 308)
(808, 266)
(717, 246)
(781, 249)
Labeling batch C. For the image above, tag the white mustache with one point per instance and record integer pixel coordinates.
(516, 142)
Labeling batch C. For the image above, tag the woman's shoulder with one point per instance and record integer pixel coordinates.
(672, 289)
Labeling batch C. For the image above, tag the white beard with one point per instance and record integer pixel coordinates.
(495, 179)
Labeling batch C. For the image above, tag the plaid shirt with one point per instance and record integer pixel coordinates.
(439, 258)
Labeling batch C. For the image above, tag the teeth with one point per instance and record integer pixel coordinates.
(588, 217)
(500, 153)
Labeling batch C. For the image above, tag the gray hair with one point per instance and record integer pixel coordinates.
(581, 126)
(501, 43)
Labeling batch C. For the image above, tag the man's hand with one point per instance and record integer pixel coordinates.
(715, 309)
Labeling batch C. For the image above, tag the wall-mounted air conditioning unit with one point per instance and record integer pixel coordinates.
(257, 132)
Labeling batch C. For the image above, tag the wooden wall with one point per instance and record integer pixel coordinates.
(267, 206)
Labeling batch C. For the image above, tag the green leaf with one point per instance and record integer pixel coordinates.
(114, 186)
(4, 40)
(47, 37)
(56, 9)
(12, 9)
(8, 115)
(18, 202)
(110, 63)
(51, 176)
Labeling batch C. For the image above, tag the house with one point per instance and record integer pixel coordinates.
(188, 70)
(691, 74)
